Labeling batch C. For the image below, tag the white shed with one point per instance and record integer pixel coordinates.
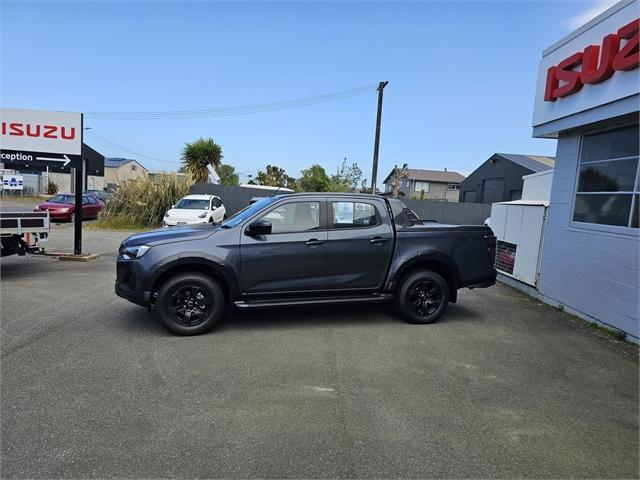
(519, 229)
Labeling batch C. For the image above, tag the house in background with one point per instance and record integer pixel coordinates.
(499, 179)
(436, 184)
(157, 176)
(118, 170)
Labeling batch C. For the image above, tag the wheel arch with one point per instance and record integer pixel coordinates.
(439, 263)
(214, 269)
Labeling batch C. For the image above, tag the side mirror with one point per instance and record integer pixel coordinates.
(259, 227)
(173, 206)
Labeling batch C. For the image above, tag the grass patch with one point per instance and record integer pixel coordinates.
(17, 198)
(614, 332)
(116, 223)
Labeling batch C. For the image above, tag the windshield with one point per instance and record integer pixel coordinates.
(247, 212)
(63, 199)
(192, 204)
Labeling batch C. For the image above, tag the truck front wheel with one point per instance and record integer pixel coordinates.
(190, 303)
(422, 297)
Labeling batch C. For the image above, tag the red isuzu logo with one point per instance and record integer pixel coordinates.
(597, 63)
(17, 129)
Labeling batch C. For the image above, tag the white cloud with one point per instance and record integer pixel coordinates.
(583, 17)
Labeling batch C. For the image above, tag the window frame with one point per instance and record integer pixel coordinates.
(322, 221)
(332, 226)
(575, 225)
(426, 190)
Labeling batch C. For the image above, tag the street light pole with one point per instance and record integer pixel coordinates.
(376, 146)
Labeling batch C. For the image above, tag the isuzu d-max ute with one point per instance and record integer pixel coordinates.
(303, 249)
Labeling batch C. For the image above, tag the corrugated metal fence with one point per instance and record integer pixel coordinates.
(236, 198)
(450, 212)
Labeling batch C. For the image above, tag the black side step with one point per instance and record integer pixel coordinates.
(311, 301)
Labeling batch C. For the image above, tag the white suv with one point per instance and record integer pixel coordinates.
(195, 209)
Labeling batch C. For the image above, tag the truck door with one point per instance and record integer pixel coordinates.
(293, 257)
(360, 243)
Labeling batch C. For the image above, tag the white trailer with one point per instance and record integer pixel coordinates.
(23, 232)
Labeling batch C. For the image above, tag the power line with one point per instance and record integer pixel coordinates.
(232, 111)
(125, 149)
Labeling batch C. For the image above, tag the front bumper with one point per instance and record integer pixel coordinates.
(129, 282)
(180, 223)
(59, 216)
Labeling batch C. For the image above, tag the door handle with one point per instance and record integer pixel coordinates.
(378, 240)
(314, 242)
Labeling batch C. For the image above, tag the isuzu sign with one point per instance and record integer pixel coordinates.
(595, 65)
(40, 131)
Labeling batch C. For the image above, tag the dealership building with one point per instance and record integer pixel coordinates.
(587, 98)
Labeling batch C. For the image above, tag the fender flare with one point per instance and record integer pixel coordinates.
(195, 258)
(397, 271)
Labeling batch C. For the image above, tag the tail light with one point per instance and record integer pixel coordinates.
(491, 247)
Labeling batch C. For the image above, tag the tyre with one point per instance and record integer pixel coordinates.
(72, 218)
(422, 297)
(190, 303)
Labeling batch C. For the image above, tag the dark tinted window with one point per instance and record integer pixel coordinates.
(612, 144)
(608, 179)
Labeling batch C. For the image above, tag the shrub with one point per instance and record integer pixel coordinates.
(52, 188)
(143, 202)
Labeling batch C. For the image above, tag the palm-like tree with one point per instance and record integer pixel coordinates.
(197, 156)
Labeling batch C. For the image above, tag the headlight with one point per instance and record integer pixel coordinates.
(63, 210)
(166, 215)
(130, 253)
(202, 215)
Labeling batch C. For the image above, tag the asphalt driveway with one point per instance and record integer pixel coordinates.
(94, 387)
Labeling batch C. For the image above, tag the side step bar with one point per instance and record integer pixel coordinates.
(311, 301)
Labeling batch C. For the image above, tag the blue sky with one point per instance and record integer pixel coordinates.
(461, 76)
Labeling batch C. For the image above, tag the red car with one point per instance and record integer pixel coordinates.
(62, 207)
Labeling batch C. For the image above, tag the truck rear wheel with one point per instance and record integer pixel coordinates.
(190, 303)
(422, 297)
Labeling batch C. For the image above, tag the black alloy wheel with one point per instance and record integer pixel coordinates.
(189, 305)
(422, 296)
(426, 297)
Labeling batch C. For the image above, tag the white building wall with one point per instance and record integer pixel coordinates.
(593, 272)
(537, 186)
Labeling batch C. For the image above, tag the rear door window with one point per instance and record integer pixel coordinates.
(354, 215)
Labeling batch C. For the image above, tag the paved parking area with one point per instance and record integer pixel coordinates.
(94, 387)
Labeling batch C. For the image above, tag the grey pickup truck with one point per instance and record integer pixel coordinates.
(304, 249)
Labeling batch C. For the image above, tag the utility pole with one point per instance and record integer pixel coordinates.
(376, 146)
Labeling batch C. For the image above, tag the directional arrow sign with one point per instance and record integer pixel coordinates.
(39, 161)
(65, 160)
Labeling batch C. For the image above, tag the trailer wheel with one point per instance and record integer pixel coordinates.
(422, 297)
(190, 303)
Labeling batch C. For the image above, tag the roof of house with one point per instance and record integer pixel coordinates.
(536, 163)
(442, 176)
(115, 162)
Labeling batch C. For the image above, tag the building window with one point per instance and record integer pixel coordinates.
(420, 186)
(607, 192)
(453, 186)
(134, 167)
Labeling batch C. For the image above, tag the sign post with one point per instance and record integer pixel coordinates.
(35, 139)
